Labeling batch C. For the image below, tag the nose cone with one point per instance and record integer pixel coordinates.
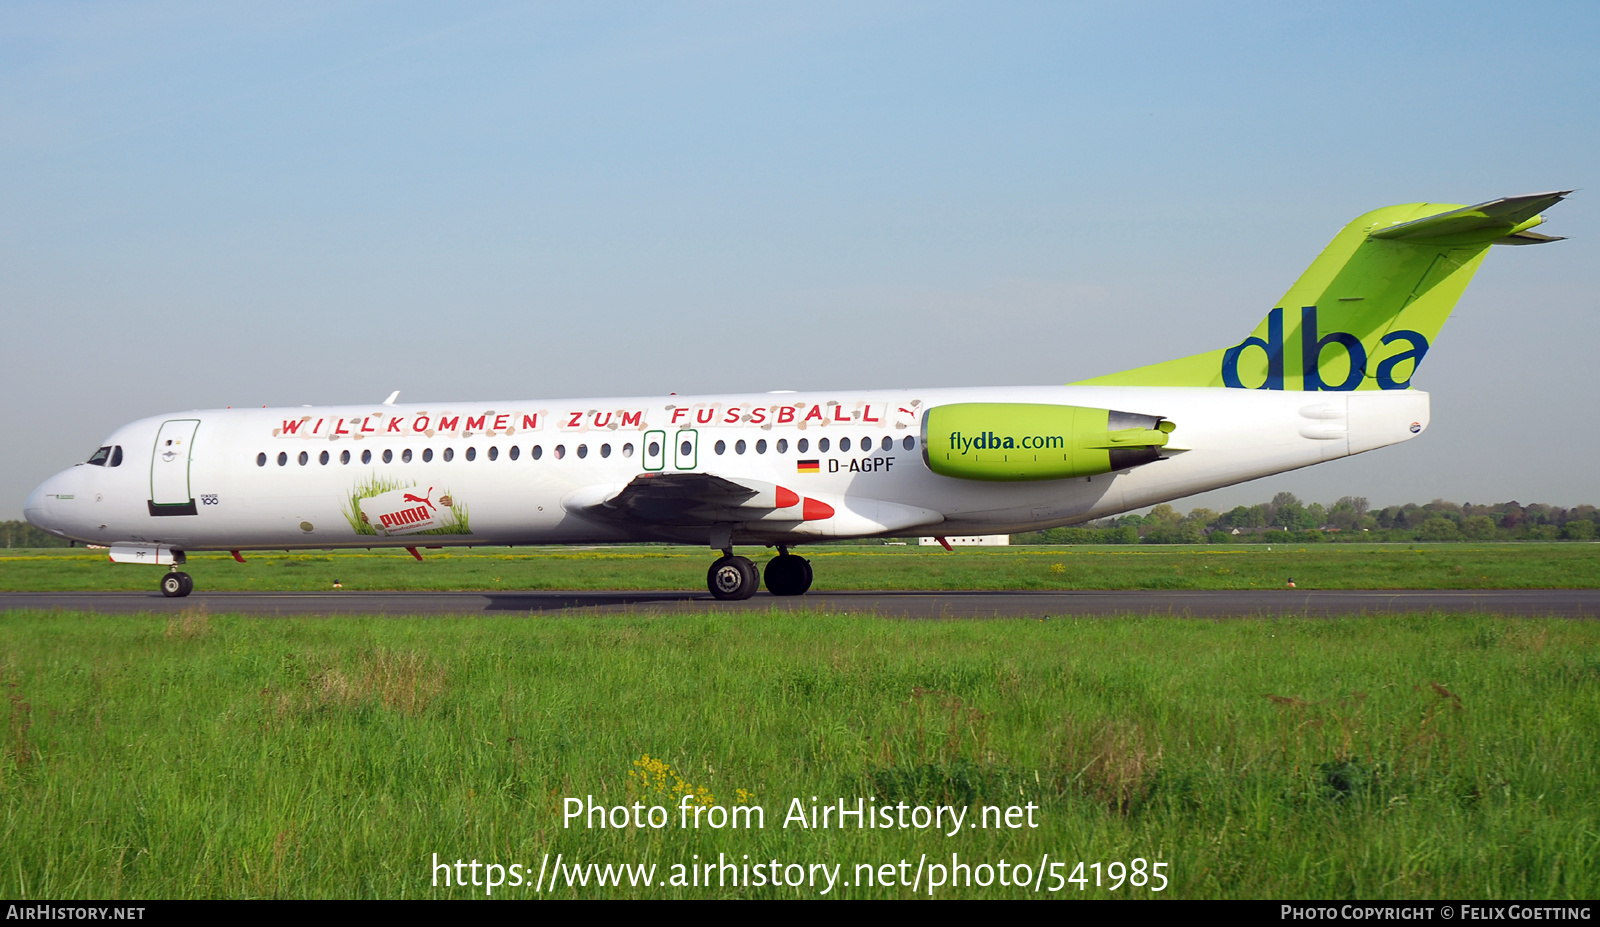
(33, 509)
(41, 508)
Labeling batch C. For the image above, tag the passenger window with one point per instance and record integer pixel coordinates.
(261, 459)
(687, 449)
(515, 452)
(304, 458)
(802, 445)
(537, 452)
(721, 447)
(561, 451)
(323, 458)
(909, 442)
(99, 457)
(344, 457)
(783, 445)
(427, 455)
(388, 455)
(761, 446)
(844, 444)
(494, 453)
(739, 446)
(472, 454)
(822, 446)
(405, 455)
(449, 454)
(366, 456)
(116, 456)
(605, 450)
(583, 451)
(282, 458)
(888, 443)
(627, 449)
(655, 448)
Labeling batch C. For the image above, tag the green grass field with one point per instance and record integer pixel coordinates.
(1329, 566)
(1423, 756)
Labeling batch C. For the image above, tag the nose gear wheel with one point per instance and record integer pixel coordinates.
(176, 585)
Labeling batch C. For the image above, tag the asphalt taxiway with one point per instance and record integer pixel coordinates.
(1566, 603)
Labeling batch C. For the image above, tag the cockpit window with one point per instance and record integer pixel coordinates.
(116, 456)
(99, 458)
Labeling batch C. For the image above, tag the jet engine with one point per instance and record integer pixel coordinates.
(1030, 441)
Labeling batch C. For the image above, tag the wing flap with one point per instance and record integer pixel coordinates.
(694, 500)
(684, 499)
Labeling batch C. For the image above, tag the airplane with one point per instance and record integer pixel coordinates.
(1325, 375)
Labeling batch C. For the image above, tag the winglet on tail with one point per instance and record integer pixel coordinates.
(1367, 309)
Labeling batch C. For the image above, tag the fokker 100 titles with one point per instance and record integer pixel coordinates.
(799, 415)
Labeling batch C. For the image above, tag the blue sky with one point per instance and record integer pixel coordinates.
(237, 204)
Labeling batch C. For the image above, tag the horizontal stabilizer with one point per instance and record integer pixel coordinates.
(1528, 238)
(1497, 220)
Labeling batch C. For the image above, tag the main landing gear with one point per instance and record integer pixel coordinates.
(733, 578)
(176, 585)
(788, 574)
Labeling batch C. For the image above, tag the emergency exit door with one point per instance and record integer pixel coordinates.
(655, 450)
(685, 449)
(170, 493)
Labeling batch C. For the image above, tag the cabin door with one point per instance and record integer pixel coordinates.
(169, 468)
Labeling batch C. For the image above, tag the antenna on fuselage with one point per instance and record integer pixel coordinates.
(392, 397)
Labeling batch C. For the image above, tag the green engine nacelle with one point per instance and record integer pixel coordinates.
(1028, 441)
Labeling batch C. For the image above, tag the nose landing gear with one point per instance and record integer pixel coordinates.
(176, 585)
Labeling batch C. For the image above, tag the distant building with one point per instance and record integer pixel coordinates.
(971, 540)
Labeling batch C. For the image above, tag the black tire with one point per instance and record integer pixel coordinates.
(788, 574)
(176, 585)
(732, 579)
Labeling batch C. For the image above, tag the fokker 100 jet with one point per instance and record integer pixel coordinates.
(1326, 374)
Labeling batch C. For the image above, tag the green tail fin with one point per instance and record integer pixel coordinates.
(1365, 312)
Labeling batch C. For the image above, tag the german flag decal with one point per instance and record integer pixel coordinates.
(806, 466)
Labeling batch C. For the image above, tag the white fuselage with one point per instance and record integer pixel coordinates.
(530, 472)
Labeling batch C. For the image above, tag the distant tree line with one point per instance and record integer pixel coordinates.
(22, 534)
(1288, 520)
